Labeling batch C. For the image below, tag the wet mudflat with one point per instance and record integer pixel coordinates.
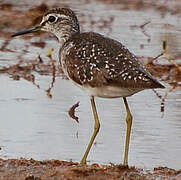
(36, 96)
(55, 169)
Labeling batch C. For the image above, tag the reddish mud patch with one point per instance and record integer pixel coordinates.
(24, 169)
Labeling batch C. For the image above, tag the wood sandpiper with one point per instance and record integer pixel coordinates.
(101, 66)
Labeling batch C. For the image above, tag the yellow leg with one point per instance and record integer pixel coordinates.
(128, 131)
(96, 130)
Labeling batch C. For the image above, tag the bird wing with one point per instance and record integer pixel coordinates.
(94, 60)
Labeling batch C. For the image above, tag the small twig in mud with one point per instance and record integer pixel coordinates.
(50, 51)
(155, 58)
(40, 59)
(162, 105)
(142, 27)
(77, 134)
(164, 47)
(48, 91)
(171, 71)
(144, 32)
(174, 85)
(72, 112)
(31, 78)
(151, 59)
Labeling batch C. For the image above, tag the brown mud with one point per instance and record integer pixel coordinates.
(23, 169)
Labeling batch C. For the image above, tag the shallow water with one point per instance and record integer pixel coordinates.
(34, 126)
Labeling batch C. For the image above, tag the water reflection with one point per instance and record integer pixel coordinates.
(38, 127)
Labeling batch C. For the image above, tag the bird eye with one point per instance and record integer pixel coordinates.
(52, 19)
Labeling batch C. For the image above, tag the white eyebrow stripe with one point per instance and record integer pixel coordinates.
(62, 16)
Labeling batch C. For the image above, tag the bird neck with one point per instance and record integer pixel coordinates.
(66, 32)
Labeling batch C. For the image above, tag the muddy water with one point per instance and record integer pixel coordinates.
(35, 126)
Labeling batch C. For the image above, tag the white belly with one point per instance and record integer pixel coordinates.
(109, 91)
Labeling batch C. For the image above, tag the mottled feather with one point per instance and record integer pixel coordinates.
(94, 60)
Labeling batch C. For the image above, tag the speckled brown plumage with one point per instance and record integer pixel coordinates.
(95, 60)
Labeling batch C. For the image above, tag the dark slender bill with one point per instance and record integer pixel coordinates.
(26, 31)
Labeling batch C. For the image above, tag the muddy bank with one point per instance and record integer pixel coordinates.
(22, 169)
